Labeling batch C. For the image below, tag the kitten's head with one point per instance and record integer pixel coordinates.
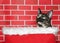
(44, 19)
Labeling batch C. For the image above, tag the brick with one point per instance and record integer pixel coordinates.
(59, 33)
(36, 7)
(17, 1)
(10, 7)
(1, 1)
(56, 22)
(31, 12)
(24, 7)
(17, 12)
(1, 37)
(1, 27)
(10, 17)
(54, 25)
(17, 22)
(56, 2)
(58, 37)
(24, 17)
(56, 12)
(30, 22)
(59, 27)
(59, 7)
(4, 1)
(4, 22)
(44, 2)
(4, 12)
(33, 17)
(59, 17)
(54, 17)
(1, 32)
(51, 7)
(1, 7)
(32, 2)
(1, 17)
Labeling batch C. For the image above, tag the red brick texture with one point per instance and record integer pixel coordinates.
(10, 7)
(45, 2)
(5, 2)
(15, 13)
(17, 1)
(56, 2)
(30, 2)
(24, 7)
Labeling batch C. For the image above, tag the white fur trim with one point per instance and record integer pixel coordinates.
(29, 30)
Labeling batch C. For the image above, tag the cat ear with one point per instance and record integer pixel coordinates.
(50, 13)
(39, 11)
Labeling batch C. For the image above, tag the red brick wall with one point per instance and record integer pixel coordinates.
(23, 13)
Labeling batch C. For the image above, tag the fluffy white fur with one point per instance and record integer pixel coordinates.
(29, 30)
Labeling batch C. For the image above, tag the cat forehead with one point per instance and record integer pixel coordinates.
(42, 15)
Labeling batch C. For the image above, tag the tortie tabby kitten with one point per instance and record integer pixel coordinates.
(44, 19)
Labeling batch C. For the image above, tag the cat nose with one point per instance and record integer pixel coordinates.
(47, 22)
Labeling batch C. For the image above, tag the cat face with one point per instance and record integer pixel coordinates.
(44, 20)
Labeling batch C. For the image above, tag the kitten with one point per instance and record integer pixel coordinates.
(44, 20)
